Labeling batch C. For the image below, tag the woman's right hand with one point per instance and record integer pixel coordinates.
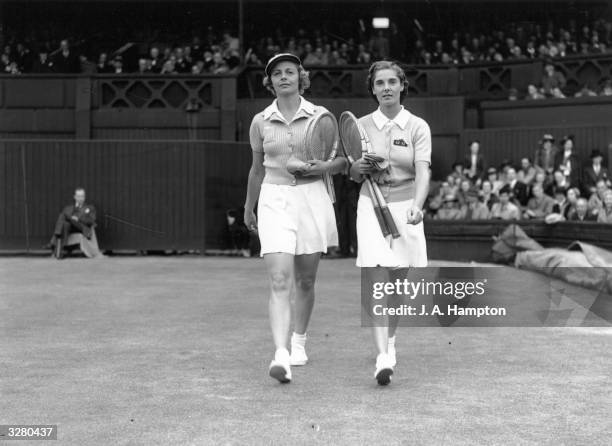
(365, 167)
(250, 220)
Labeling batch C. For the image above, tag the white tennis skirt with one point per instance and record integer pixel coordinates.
(373, 250)
(296, 219)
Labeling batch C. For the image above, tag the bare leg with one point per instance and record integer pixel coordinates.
(305, 275)
(281, 275)
(395, 301)
(381, 331)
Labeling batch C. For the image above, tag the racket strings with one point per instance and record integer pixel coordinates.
(321, 138)
(351, 137)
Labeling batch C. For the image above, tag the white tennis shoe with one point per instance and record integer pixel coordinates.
(280, 368)
(384, 369)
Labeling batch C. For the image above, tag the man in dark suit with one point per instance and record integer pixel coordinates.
(474, 162)
(66, 61)
(594, 172)
(568, 162)
(519, 190)
(79, 217)
(545, 155)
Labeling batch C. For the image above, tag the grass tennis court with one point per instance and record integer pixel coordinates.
(175, 350)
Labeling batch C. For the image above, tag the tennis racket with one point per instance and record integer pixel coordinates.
(355, 143)
(320, 143)
(384, 208)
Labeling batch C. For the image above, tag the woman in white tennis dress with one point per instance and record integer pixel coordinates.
(295, 216)
(404, 141)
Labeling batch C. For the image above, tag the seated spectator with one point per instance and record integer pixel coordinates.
(75, 225)
(527, 172)
(436, 199)
(582, 212)
(606, 90)
(43, 64)
(464, 188)
(546, 154)
(155, 61)
(492, 177)
(559, 183)
(118, 65)
(65, 61)
(458, 172)
(552, 79)
(143, 66)
(596, 199)
(315, 58)
(363, 55)
(540, 205)
(474, 209)
(505, 209)
(513, 94)
(449, 210)
(219, 65)
(605, 213)
(181, 64)
(571, 198)
(540, 178)
(103, 67)
(594, 172)
(474, 163)
(568, 162)
(519, 190)
(252, 59)
(486, 194)
(558, 209)
(168, 67)
(533, 93)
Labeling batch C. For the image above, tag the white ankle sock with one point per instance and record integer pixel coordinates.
(281, 355)
(299, 339)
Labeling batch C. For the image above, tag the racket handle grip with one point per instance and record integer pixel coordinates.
(381, 221)
(377, 207)
(386, 213)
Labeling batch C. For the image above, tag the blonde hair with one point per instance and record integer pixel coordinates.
(303, 82)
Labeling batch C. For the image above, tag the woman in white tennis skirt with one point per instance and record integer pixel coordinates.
(404, 141)
(295, 215)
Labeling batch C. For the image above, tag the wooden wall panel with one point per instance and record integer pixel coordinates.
(149, 194)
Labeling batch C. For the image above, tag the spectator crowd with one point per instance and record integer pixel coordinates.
(324, 42)
(554, 185)
(191, 58)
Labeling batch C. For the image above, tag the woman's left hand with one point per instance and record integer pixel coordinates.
(317, 167)
(415, 216)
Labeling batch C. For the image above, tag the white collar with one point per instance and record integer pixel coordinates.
(401, 119)
(305, 106)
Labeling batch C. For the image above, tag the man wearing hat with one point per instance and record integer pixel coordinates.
(474, 209)
(568, 162)
(449, 210)
(594, 172)
(546, 154)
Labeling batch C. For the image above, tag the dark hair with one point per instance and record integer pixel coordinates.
(506, 190)
(387, 65)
